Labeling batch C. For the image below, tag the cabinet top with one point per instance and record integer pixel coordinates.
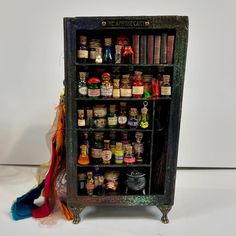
(146, 22)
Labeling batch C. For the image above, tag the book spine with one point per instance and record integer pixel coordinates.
(170, 48)
(164, 48)
(157, 49)
(150, 49)
(135, 44)
(143, 49)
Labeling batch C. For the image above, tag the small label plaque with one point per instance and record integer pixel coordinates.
(125, 23)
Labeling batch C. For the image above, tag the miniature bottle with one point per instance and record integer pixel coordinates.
(144, 117)
(101, 185)
(138, 147)
(100, 112)
(129, 157)
(82, 86)
(118, 56)
(122, 118)
(107, 56)
(112, 117)
(85, 138)
(133, 118)
(98, 59)
(128, 55)
(137, 89)
(111, 177)
(125, 140)
(83, 157)
(112, 137)
(119, 153)
(82, 53)
(116, 88)
(81, 119)
(90, 183)
(96, 152)
(82, 183)
(89, 118)
(106, 153)
(106, 88)
(125, 90)
(165, 86)
(94, 87)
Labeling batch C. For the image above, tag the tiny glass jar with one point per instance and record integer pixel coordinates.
(94, 87)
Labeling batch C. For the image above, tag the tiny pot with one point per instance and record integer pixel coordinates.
(136, 180)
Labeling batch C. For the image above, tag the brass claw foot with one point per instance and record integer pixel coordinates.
(164, 210)
(76, 211)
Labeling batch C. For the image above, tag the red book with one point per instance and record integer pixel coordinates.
(150, 49)
(157, 49)
(170, 48)
(135, 46)
(143, 49)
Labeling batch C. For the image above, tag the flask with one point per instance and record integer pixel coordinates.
(83, 157)
(82, 86)
(137, 89)
(106, 88)
(112, 117)
(122, 118)
(119, 153)
(106, 153)
(165, 86)
(107, 56)
(125, 90)
(97, 148)
(81, 120)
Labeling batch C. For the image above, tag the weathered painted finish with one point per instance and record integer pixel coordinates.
(180, 25)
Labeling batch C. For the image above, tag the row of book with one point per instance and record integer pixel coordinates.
(153, 49)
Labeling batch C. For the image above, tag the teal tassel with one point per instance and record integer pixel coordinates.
(22, 207)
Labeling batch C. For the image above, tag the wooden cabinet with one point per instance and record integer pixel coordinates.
(160, 138)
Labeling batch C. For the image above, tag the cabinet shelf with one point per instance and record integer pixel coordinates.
(121, 65)
(123, 99)
(111, 129)
(115, 166)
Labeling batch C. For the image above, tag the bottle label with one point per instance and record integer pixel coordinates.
(116, 93)
(106, 91)
(112, 121)
(93, 92)
(137, 90)
(122, 120)
(166, 91)
(106, 155)
(96, 153)
(92, 55)
(125, 92)
(83, 91)
(82, 54)
(81, 122)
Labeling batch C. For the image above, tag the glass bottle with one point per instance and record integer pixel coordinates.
(133, 117)
(138, 147)
(128, 55)
(83, 157)
(106, 88)
(112, 137)
(98, 59)
(82, 183)
(94, 87)
(112, 117)
(89, 118)
(107, 56)
(81, 119)
(166, 87)
(147, 85)
(137, 89)
(116, 88)
(85, 138)
(125, 140)
(90, 183)
(119, 153)
(82, 53)
(122, 118)
(144, 116)
(97, 148)
(118, 56)
(82, 86)
(129, 157)
(125, 90)
(106, 153)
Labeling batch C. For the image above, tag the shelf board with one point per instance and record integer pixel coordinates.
(122, 65)
(123, 99)
(111, 129)
(114, 165)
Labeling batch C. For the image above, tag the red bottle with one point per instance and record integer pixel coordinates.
(137, 89)
(128, 55)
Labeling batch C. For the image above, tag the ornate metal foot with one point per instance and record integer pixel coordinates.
(76, 211)
(164, 210)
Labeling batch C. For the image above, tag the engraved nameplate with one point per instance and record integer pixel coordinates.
(125, 23)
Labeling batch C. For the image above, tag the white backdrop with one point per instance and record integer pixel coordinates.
(32, 71)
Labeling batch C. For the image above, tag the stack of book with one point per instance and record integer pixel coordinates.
(153, 49)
